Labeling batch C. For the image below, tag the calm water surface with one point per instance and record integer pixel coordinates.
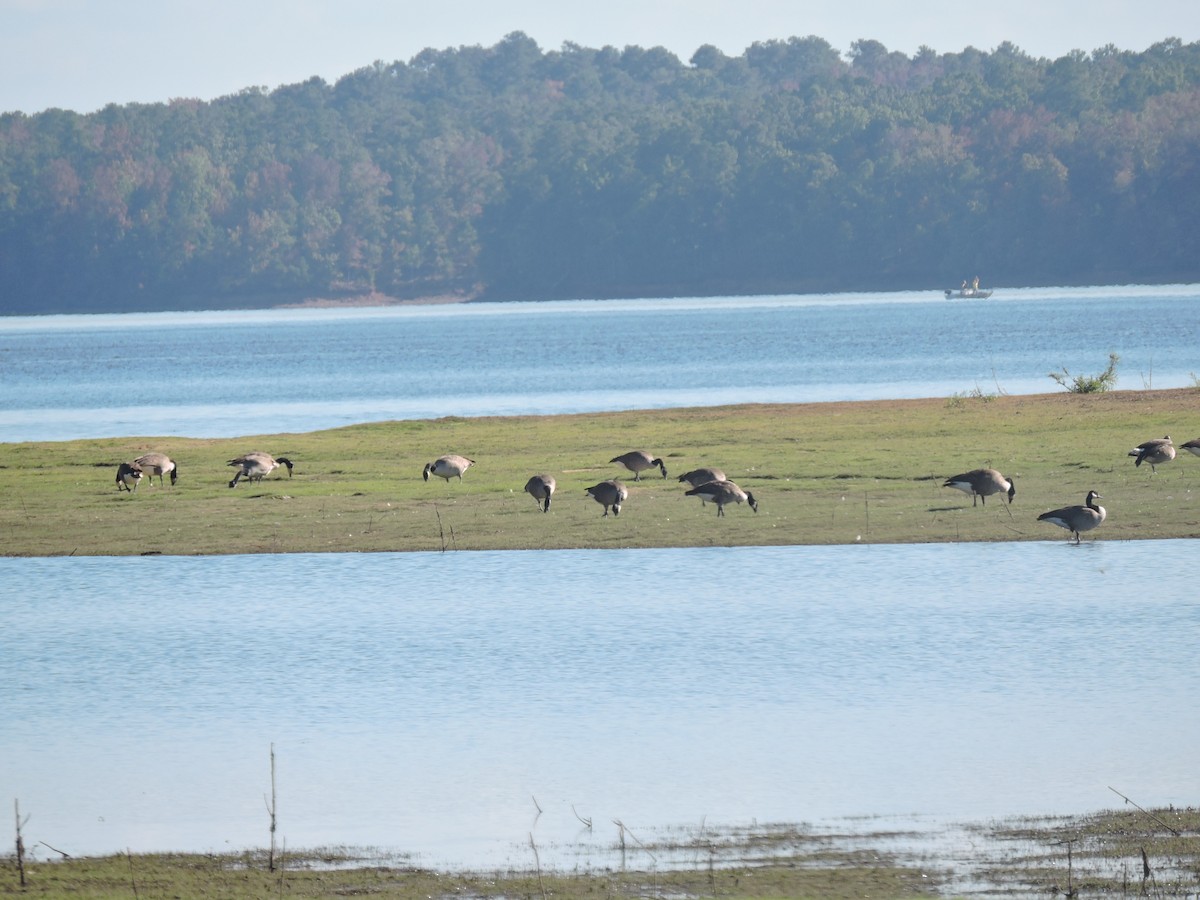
(227, 374)
(425, 702)
(421, 702)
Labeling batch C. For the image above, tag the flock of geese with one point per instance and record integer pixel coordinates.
(708, 484)
(984, 483)
(253, 466)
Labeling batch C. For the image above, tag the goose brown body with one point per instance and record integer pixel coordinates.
(723, 492)
(609, 494)
(158, 464)
(541, 488)
(256, 465)
(1155, 452)
(449, 466)
(981, 484)
(127, 474)
(702, 476)
(638, 461)
(1078, 519)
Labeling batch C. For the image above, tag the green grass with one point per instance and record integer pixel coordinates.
(831, 473)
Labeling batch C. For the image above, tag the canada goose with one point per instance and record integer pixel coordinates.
(448, 466)
(722, 492)
(127, 474)
(541, 489)
(702, 476)
(1077, 519)
(638, 461)
(981, 484)
(1192, 446)
(158, 464)
(1155, 452)
(256, 464)
(609, 493)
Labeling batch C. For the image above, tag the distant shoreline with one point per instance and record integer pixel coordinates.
(375, 298)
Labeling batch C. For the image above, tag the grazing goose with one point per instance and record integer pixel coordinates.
(127, 474)
(1077, 519)
(981, 484)
(702, 476)
(638, 461)
(448, 466)
(1155, 452)
(722, 492)
(609, 494)
(1192, 447)
(256, 464)
(541, 489)
(158, 464)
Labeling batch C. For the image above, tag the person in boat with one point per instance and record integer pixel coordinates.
(964, 285)
(975, 284)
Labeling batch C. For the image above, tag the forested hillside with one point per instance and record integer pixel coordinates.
(512, 172)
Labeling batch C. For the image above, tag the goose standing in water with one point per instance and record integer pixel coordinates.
(256, 465)
(981, 484)
(1155, 452)
(448, 466)
(722, 492)
(541, 489)
(1078, 519)
(609, 494)
(638, 461)
(158, 464)
(127, 474)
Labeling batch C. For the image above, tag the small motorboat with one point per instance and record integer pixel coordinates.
(969, 291)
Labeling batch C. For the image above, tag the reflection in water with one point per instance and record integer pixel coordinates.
(423, 701)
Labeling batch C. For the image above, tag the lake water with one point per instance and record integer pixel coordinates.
(431, 703)
(224, 374)
(425, 702)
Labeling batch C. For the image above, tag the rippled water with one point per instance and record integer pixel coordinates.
(425, 702)
(222, 374)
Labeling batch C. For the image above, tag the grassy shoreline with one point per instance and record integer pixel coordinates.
(825, 473)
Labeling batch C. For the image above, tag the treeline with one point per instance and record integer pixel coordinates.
(511, 172)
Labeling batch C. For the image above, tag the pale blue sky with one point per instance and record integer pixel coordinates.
(84, 54)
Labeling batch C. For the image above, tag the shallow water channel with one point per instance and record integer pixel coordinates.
(431, 704)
